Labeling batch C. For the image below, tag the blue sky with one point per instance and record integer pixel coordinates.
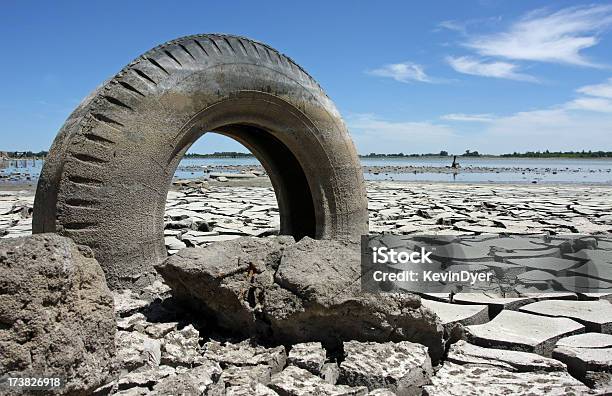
(493, 76)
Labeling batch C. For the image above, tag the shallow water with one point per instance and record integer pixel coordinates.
(581, 177)
(478, 170)
(511, 170)
(533, 163)
(20, 170)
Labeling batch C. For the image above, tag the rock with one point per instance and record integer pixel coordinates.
(174, 244)
(241, 376)
(450, 314)
(157, 289)
(144, 379)
(552, 264)
(256, 389)
(460, 380)
(182, 348)
(198, 237)
(381, 392)
(599, 256)
(519, 254)
(178, 225)
(496, 304)
(504, 270)
(126, 303)
(600, 382)
(56, 313)
(583, 284)
(585, 353)
(595, 269)
(309, 356)
(467, 354)
(216, 175)
(330, 372)
(522, 332)
(294, 381)
(403, 367)
(159, 330)
(535, 277)
(597, 296)
(506, 243)
(201, 380)
(208, 278)
(129, 322)
(289, 293)
(134, 392)
(245, 354)
(213, 238)
(596, 316)
(136, 350)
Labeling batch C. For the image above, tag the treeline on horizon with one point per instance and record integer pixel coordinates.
(561, 154)
(528, 154)
(23, 154)
(443, 153)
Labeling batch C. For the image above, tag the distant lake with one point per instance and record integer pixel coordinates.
(511, 170)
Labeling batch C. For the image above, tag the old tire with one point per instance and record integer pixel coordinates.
(106, 178)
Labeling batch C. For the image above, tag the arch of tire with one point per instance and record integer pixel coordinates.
(108, 172)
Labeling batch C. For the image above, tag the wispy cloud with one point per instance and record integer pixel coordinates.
(456, 26)
(603, 90)
(595, 98)
(372, 133)
(496, 69)
(464, 26)
(405, 72)
(546, 36)
(591, 104)
(469, 117)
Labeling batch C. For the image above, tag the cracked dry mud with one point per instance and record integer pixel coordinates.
(532, 343)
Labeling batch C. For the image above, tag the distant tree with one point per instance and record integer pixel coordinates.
(443, 153)
(469, 153)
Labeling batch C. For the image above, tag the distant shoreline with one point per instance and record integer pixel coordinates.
(445, 155)
(21, 156)
(382, 157)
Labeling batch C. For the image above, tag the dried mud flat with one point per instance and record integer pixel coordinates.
(200, 213)
(538, 343)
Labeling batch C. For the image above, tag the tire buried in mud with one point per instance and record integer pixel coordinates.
(107, 175)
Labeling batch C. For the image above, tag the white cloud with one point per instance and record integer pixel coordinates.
(469, 117)
(375, 134)
(601, 90)
(591, 104)
(596, 98)
(496, 69)
(403, 72)
(557, 37)
(454, 26)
